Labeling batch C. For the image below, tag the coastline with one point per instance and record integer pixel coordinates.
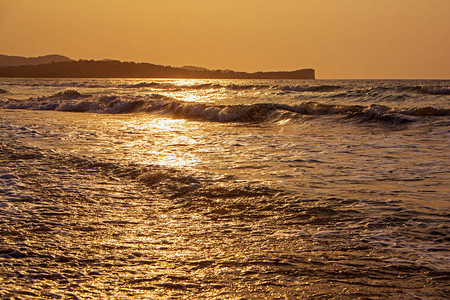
(116, 69)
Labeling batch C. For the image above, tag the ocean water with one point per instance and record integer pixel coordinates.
(224, 189)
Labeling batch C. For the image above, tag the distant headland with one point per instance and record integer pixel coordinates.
(58, 66)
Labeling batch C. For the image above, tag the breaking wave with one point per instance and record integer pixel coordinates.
(72, 100)
(434, 90)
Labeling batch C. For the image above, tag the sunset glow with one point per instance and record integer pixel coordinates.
(340, 39)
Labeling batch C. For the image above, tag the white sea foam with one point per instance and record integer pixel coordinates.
(72, 100)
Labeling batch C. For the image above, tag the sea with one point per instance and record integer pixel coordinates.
(224, 189)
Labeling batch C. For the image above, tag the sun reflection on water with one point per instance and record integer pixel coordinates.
(166, 141)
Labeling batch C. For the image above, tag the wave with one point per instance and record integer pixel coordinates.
(201, 86)
(139, 85)
(234, 87)
(155, 85)
(434, 90)
(169, 182)
(314, 88)
(422, 89)
(389, 93)
(72, 84)
(240, 87)
(174, 86)
(397, 93)
(72, 100)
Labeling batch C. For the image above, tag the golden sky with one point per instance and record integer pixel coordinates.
(339, 38)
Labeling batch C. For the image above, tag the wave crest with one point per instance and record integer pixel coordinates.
(72, 100)
(434, 90)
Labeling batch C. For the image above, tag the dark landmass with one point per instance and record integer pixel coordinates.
(117, 69)
(9, 61)
(194, 68)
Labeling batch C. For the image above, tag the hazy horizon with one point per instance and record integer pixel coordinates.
(213, 69)
(341, 39)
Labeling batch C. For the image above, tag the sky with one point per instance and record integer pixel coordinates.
(340, 39)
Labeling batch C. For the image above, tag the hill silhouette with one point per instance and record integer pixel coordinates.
(8, 60)
(117, 69)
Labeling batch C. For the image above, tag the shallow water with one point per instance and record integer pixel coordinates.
(224, 189)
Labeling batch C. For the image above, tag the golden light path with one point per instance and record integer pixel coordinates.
(172, 139)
